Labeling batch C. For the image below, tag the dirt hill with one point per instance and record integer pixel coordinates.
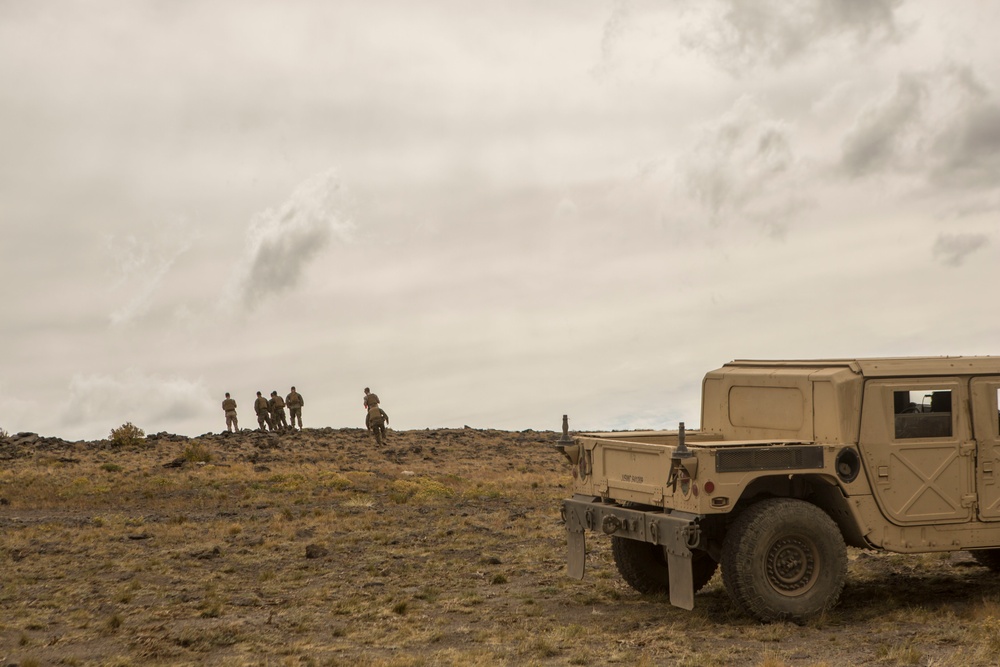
(444, 547)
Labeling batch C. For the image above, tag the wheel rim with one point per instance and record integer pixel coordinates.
(792, 565)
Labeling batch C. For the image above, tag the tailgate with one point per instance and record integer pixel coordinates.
(631, 471)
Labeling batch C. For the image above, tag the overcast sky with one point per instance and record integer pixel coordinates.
(491, 213)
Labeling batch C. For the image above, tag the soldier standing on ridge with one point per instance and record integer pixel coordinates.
(277, 405)
(294, 402)
(263, 413)
(371, 401)
(229, 407)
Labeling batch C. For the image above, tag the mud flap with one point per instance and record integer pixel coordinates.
(681, 580)
(576, 538)
(576, 557)
(674, 534)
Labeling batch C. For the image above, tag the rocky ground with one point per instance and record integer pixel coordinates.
(442, 548)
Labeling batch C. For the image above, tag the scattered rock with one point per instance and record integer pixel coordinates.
(316, 551)
(166, 437)
(208, 554)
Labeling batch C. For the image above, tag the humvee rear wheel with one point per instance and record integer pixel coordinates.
(643, 566)
(784, 559)
(988, 558)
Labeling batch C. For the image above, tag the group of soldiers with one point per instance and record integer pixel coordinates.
(270, 411)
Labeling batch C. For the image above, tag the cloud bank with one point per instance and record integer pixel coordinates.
(740, 36)
(99, 402)
(942, 126)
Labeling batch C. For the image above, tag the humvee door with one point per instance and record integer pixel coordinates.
(986, 424)
(918, 450)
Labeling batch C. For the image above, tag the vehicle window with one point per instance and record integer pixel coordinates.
(922, 413)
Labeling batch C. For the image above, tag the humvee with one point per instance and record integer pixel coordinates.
(794, 461)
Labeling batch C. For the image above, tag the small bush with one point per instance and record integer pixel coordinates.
(111, 467)
(126, 435)
(196, 453)
(113, 623)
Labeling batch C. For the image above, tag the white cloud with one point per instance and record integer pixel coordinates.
(941, 128)
(281, 242)
(744, 168)
(953, 249)
(741, 36)
(886, 133)
(143, 264)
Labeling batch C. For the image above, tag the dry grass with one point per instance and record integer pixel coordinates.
(444, 549)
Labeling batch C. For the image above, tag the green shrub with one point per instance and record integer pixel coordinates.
(126, 435)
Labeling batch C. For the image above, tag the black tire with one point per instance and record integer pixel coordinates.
(988, 558)
(784, 559)
(643, 566)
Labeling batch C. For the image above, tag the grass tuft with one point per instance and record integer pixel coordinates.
(197, 453)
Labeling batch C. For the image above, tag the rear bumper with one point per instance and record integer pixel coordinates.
(677, 533)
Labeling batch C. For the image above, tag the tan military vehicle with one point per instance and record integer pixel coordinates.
(793, 461)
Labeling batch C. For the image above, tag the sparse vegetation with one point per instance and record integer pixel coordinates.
(126, 436)
(451, 556)
(197, 453)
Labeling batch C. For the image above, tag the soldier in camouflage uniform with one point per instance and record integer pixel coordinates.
(371, 399)
(229, 407)
(294, 402)
(277, 404)
(376, 421)
(263, 413)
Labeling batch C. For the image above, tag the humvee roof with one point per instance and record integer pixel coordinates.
(888, 366)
